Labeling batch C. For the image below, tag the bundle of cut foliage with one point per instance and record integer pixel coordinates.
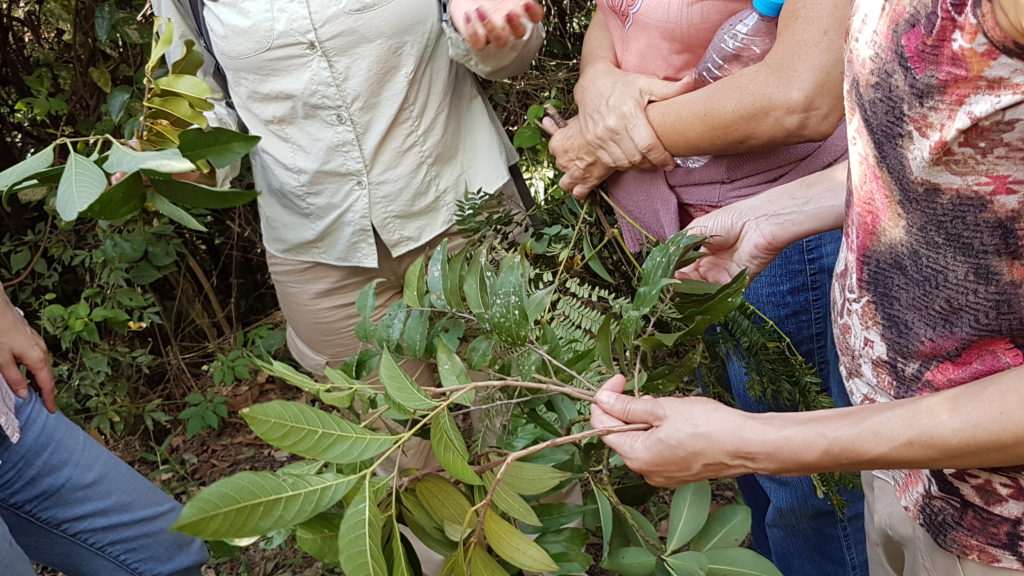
(523, 323)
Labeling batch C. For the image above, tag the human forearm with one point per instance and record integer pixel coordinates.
(1010, 15)
(977, 425)
(794, 95)
(811, 205)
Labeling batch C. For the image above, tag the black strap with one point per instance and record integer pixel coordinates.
(525, 196)
(195, 7)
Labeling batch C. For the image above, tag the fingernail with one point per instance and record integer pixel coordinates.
(511, 18)
(23, 394)
(468, 18)
(481, 14)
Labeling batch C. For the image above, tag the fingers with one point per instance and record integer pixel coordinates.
(9, 371)
(533, 11)
(549, 125)
(37, 361)
(627, 408)
(474, 32)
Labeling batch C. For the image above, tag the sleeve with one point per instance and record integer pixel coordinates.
(985, 12)
(222, 115)
(495, 63)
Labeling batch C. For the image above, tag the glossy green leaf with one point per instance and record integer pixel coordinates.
(80, 185)
(450, 448)
(563, 540)
(478, 354)
(120, 200)
(739, 562)
(689, 563)
(416, 333)
(117, 101)
(435, 282)
(191, 60)
(255, 503)
(366, 302)
(415, 288)
(400, 388)
(508, 319)
(726, 527)
(631, 561)
(318, 536)
(451, 371)
(179, 107)
(530, 479)
(481, 564)
(509, 502)
(184, 84)
(163, 35)
(167, 208)
(218, 146)
(475, 287)
(313, 433)
(360, 551)
(27, 168)
(451, 276)
(514, 547)
(198, 196)
(690, 507)
(557, 514)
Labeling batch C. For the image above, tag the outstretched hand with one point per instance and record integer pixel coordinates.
(691, 439)
(493, 22)
(736, 240)
(20, 344)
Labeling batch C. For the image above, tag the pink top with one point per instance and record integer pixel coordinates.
(667, 38)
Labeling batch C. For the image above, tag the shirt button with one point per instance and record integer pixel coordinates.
(361, 184)
(312, 48)
(341, 118)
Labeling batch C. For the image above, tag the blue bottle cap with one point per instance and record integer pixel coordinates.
(769, 8)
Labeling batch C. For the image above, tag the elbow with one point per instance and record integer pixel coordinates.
(811, 116)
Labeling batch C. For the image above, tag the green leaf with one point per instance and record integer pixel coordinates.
(604, 508)
(105, 15)
(444, 502)
(604, 344)
(537, 303)
(557, 514)
(318, 536)
(284, 372)
(450, 448)
(630, 561)
(179, 107)
(739, 562)
(120, 200)
(27, 168)
(478, 354)
(80, 185)
(690, 507)
(726, 527)
(117, 101)
(165, 207)
(451, 276)
(513, 546)
(255, 503)
(360, 552)
(507, 316)
(531, 479)
(563, 540)
(218, 146)
(198, 196)
(186, 84)
(509, 502)
(452, 372)
(124, 159)
(366, 302)
(398, 562)
(434, 279)
(474, 287)
(191, 60)
(400, 388)
(313, 433)
(417, 331)
(418, 518)
(415, 284)
(481, 564)
(689, 563)
(593, 261)
(101, 76)
(163, 35)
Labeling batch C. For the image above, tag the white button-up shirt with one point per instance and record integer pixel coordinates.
(369, 113)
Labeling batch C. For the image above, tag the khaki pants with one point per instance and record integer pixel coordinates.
(898, 546)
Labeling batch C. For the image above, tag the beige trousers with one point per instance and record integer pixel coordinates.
(899, 546)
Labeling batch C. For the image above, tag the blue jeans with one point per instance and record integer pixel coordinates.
(801, 533)
(68, 503)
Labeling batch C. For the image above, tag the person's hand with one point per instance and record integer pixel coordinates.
(612, 132)
(195, 176)
(690, 439)
(737, 239)
(20, 344)
(493, 22)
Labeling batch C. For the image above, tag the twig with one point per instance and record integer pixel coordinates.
(547, 357)
(37, 256)
(566, 390)
(485, 504)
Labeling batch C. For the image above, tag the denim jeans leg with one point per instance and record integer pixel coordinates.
(12, 557)
(72, 505)
(801, 533)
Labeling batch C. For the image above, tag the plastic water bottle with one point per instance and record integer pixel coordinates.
(744, 39)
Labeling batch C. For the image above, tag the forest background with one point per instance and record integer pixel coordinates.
(149, 324)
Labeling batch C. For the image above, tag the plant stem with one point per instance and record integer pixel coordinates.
(547, 357)
(559, 389)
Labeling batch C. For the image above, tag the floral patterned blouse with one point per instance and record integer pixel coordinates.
(929, 290)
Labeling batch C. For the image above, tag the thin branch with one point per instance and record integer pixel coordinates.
(547, 357)
(37, 256)
(558, 389)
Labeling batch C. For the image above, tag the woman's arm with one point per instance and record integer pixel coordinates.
(794, 95)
